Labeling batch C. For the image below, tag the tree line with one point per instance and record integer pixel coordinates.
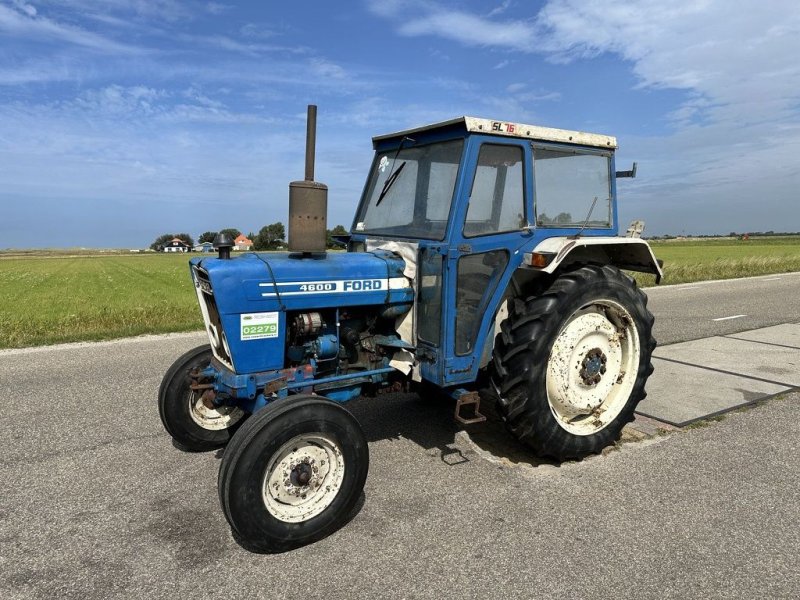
(269, 237)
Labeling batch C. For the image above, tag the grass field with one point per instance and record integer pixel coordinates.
(724, 258)
(51, 297)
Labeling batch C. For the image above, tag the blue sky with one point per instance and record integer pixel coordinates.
(124, 119)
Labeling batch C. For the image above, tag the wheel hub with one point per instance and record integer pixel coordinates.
(301, 474)
(302, 477)
(593, 366)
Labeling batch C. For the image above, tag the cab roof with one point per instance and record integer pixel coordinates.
(509, 129)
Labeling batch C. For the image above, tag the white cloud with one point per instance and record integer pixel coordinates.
(732, 156)
(737, 65)
(217, 8)
(499, 10)
(419, 17)
(327, 69)
(471, 30)
(25, 7)
(28, 24)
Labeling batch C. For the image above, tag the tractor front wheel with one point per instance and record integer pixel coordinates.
(194, 423)
(292, 474)
(571, 363)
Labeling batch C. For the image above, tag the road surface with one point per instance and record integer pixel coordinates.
(97, 503)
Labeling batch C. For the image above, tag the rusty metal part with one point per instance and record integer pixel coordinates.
(394, 388)
(469, 399)
(308, 201)
(308, 216)
(208, 399)
(196, 387)
(274, 386)
(308, 323)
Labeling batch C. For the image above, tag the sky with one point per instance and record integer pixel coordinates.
(121, 120)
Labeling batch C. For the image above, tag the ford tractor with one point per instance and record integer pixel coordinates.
(483, 261)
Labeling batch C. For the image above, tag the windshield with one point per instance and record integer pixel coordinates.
(409, 192)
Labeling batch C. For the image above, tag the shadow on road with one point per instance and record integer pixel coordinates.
(429, 422)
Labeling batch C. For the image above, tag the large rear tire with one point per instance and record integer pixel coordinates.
(193, 424)
(292, 474)
(571, 363)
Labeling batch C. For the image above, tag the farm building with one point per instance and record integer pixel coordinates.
(242, 242)
(204, 247)
(176, 245)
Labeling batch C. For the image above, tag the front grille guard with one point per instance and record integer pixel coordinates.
(213, 323)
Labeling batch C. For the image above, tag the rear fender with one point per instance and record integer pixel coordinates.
(632, 254)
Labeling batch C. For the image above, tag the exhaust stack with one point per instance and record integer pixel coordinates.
(308, 201)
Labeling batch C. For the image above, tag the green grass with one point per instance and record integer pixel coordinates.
(48, 297)
(725, 258)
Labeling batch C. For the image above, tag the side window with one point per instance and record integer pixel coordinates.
(478, 275)
(566, 184)
(429, 303)
(496, 202)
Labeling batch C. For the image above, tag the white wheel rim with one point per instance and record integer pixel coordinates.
(303, 477)
(213, 419)
(592, 367)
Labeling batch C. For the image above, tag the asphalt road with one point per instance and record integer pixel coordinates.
(97, 503)
(687, 312)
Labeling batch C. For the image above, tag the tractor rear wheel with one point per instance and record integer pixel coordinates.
(292, 474)
(571, 363)
(195, 424)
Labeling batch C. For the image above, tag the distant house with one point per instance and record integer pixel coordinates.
(204, 247)
(176, 245)
(242, 243)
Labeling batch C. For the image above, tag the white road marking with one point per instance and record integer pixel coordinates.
(729, 318)
(772, 279)
(688, 287)
(790, 274)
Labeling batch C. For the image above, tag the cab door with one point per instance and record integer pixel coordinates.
(490, 226)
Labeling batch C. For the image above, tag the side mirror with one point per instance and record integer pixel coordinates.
(631, 173)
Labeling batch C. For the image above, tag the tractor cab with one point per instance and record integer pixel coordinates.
(470, 200)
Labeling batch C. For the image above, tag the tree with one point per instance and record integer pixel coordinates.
(269, 236)
(234, 233)
(563, 218)
(338, 230)
(207, 236)
(158, 244)
(186, 238)
(161, 240)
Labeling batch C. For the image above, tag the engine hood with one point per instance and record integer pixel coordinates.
(279, 281)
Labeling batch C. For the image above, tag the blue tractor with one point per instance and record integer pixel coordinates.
(484, 261)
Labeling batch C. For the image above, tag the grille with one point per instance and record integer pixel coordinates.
(208, 306)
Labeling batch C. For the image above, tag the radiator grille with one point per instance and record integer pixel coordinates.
(213, 323)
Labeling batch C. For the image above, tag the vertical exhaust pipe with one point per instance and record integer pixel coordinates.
(311, 140)
(308, 201)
